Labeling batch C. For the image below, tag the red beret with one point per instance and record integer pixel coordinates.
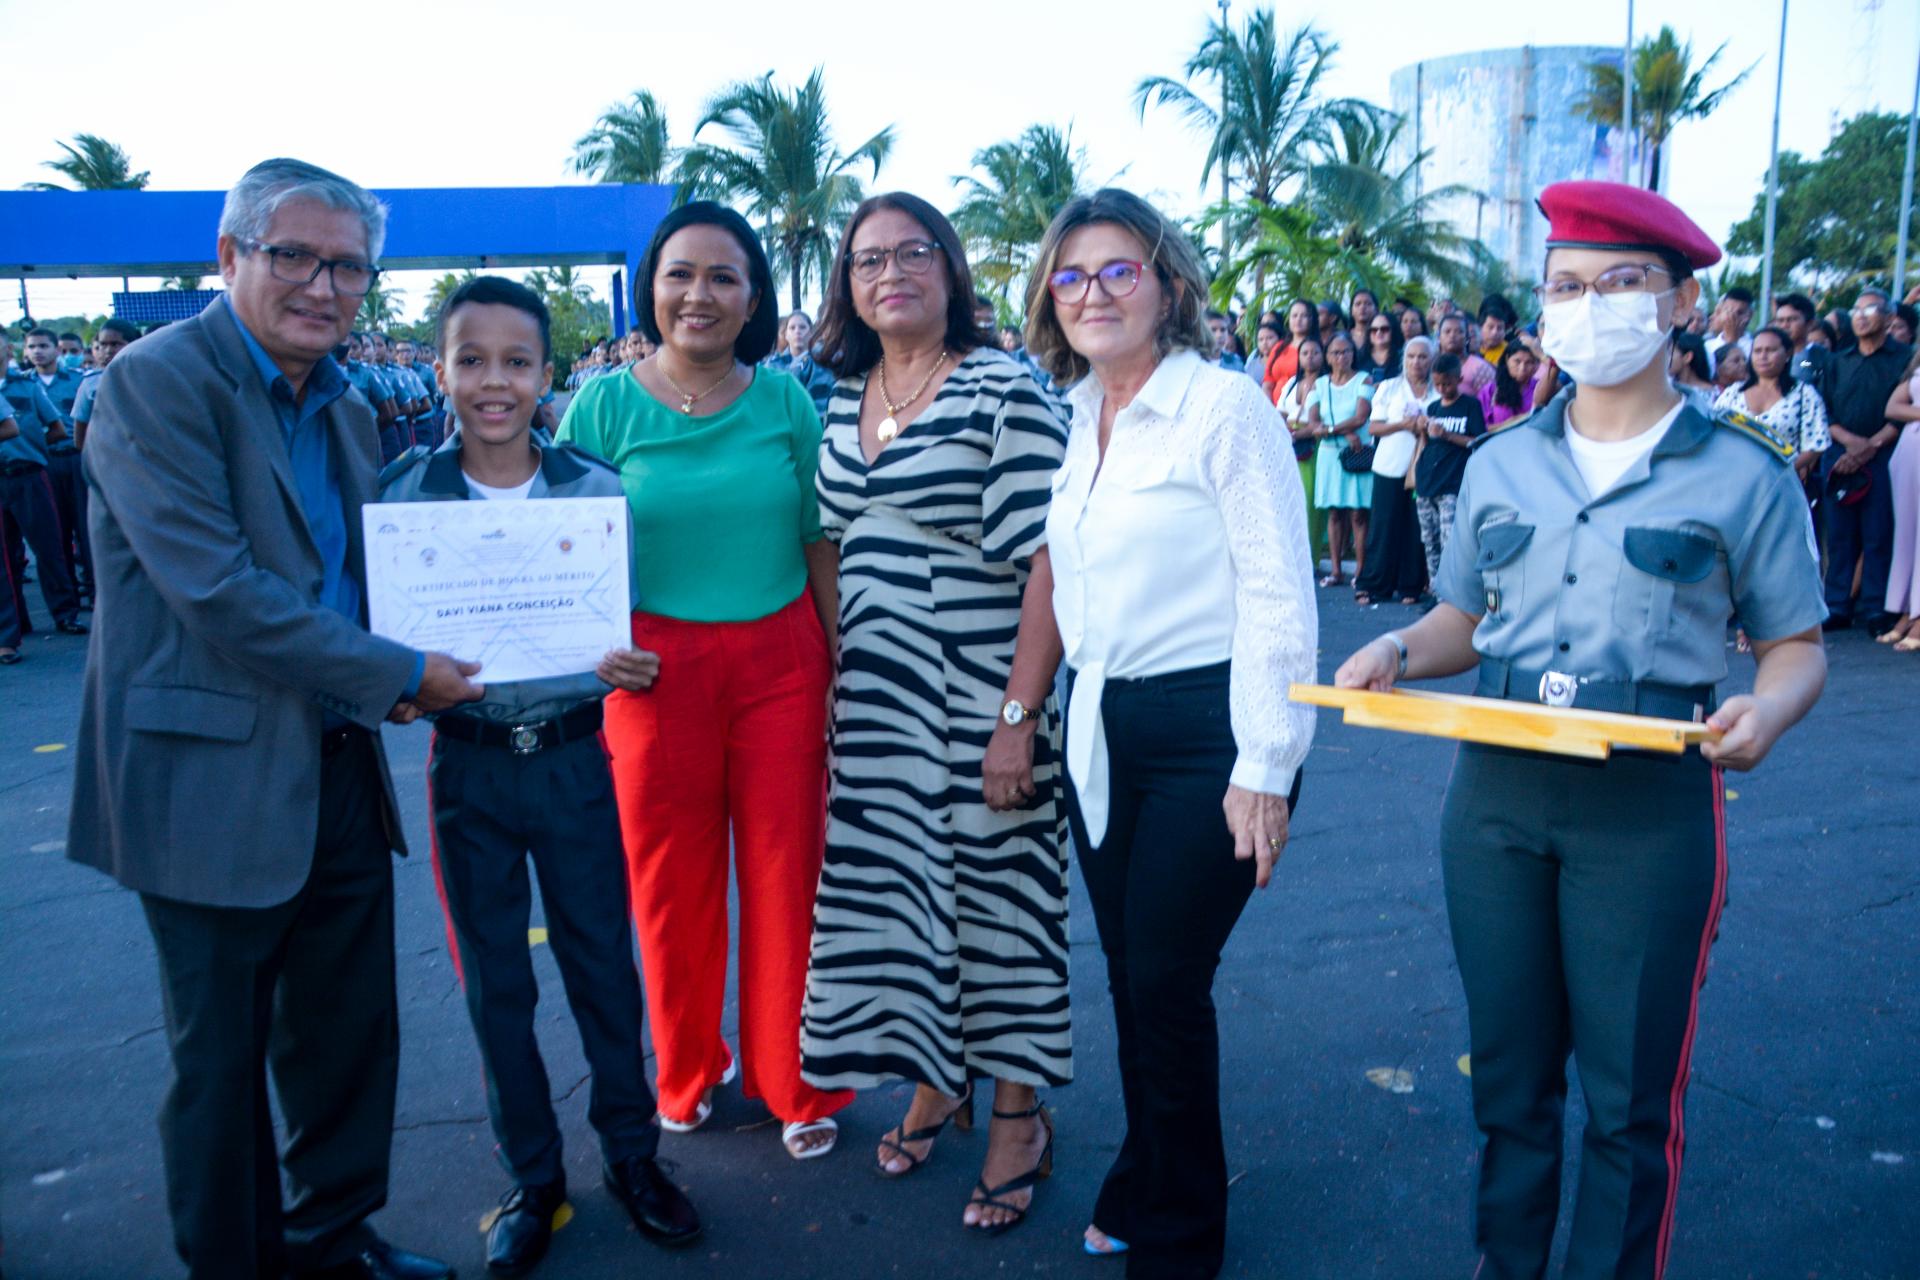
(1614, 215)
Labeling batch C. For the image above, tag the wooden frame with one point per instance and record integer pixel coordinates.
(1567, 731)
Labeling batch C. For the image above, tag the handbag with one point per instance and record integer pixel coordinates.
(1357, 458)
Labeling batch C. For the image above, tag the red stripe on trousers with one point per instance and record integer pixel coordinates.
(439, 880)
(1677, 1101)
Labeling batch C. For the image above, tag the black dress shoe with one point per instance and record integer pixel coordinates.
(382, 1261)
(523, 1228)
(1836, 622)
(659, 1209)
(70, 628)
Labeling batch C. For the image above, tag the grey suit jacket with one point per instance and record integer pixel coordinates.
(197, 764)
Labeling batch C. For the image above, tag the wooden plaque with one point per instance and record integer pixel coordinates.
(1567, 731)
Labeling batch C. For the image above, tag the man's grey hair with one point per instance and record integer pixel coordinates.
(251, 204)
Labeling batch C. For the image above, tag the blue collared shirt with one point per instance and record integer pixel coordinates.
(304, 426)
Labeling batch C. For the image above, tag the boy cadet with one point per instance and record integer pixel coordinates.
(29, 509)
(522, 771)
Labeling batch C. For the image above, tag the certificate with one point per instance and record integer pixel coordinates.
(524, 588)
(1566, 731)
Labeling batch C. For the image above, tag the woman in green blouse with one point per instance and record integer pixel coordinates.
(717, 460)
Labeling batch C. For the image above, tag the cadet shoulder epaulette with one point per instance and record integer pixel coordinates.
(402, 464)
(1752, 429)
(575, 452)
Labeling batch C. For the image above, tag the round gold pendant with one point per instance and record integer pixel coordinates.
(889, 428)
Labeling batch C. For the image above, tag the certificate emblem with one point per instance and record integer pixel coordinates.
(566, 545)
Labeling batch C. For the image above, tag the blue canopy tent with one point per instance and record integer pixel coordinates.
(70, 234)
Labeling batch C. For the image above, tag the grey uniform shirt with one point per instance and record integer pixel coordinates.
(422, 475)
(1638, 583)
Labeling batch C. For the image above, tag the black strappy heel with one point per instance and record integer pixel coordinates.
(961, 1117)
(989, 1197)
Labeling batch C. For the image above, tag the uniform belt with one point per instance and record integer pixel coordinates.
(1500, 679)
(524, 738)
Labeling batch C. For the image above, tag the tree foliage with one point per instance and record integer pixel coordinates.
(578, 317)
(1838, 223)
(1015, 189)
(783, 169)
(1668, 90)
(92, 163)
(1376, 211)
(629, 143)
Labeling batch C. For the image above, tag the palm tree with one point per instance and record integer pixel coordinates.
(93, 165)
(784, 168)
(1376, 210)
(1667, 92)
(1026, 180)
(438, 293)
(627, 144)
(380, 309)
(1287, 257)
(1262, 107)
(185, 284)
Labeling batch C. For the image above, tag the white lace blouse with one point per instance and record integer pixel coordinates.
(1189, 551)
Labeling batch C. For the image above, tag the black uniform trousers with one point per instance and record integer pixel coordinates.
(491, 809)
(70, 504)
(306, 987)
(1166, 891)
(1396, 559)
(1583, 897)
(27, 503)
(1860, 534)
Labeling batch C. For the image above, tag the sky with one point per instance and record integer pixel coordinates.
(439, 93)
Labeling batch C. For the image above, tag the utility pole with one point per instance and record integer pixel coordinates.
(1773, 176)
(1226, 245)
(1906, 196)
(1626, 103)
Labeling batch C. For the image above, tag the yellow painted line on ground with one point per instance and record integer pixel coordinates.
(536, 936)
(1465, 1063)
(48, 748)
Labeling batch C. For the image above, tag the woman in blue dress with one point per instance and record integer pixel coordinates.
(1342, 402)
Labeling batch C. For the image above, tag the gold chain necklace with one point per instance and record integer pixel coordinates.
(687, 398)
(890, 425)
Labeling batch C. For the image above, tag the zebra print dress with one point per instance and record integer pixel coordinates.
(940, 931)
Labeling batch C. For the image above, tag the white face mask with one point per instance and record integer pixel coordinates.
(1602, 340)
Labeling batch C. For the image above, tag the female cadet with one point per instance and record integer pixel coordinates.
(1599, 550)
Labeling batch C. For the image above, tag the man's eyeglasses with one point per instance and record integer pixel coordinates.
(914, 256)
(301, 266)
(1118, 279)
(1630, 278)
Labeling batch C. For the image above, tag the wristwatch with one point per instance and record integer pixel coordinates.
(1015, 713)
(1393, 638)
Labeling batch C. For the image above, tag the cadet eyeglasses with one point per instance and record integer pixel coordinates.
(914, 256)
(301, 266)
(1118, 279)
(1634, 277)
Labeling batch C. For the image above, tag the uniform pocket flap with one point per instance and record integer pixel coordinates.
(193, 713)
(1502, 542)
(1673, 554)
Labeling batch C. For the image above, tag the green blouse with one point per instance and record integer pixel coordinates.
(722, 503)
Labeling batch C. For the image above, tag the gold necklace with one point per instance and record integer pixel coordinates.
(890, 425)
(687, 398)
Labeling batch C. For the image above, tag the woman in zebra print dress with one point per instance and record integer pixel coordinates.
(940, 931)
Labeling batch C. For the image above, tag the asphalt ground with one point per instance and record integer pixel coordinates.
(1803, 1124)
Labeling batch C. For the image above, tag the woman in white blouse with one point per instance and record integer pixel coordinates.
(1791, 412)
(1396, 562)
(1185, 601)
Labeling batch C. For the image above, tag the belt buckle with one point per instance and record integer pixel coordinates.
(1557, 689)
(524, 738)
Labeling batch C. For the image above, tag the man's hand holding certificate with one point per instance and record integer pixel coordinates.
(526, 589)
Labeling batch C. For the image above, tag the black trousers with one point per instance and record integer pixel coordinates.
(306, 987)
(1396, 561)
(1166, 892)
(1583, 897)
(1860, 534)
(27, 502)
(491, 809)
(70, 504)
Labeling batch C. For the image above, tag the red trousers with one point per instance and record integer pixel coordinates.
(731, 739)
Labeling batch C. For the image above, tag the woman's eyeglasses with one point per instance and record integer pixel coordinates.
(914, 256)
(1118, 279)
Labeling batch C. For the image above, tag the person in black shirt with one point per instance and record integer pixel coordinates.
(1450, 426)
(1857, 385)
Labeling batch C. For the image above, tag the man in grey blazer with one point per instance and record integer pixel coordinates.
(229, 765)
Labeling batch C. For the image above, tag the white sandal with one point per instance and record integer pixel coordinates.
(789, 1133)
(705, 1110)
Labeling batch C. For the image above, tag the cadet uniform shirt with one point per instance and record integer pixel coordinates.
(61, 388)
(29, 406)
(83, 398)
(1639, 582)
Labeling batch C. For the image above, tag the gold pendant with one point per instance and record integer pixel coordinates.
(687, 408)
(889, 428)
